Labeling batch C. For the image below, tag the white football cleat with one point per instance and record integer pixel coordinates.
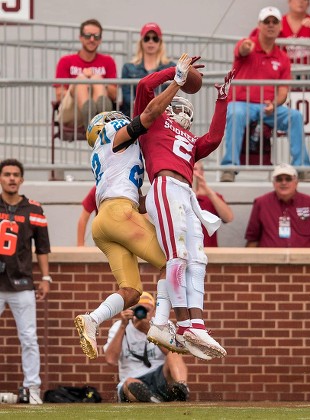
(203, 340)
(192, 348)
(88, 330)
(164, 335)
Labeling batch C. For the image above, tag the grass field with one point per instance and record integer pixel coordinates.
(167, 411)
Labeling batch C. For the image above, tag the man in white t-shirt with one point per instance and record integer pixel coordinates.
(147, 373)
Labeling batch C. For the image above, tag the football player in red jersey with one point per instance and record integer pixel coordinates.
(170, 151)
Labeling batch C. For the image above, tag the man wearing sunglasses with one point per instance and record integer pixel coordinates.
(259, 58)
(82, 102)
(281, 218)
(147, 373)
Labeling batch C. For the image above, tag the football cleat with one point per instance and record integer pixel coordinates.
(34, 395)
(164, 335)
(202, 339)
(88, 330)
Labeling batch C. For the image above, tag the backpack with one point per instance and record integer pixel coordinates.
(72, 394)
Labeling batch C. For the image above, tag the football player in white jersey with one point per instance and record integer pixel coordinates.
(119, 230)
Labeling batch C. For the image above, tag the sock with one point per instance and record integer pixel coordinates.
(198, 321)
(163, 305)
(112, 306)
(183, 325)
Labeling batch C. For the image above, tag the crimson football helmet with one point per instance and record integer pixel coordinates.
(181, 110)
(99, 121)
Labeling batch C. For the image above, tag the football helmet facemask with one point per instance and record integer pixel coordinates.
(99, 121)
(181, 110)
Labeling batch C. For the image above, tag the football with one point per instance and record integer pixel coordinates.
(193, 82)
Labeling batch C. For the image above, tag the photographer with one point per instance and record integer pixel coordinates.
(147, 373)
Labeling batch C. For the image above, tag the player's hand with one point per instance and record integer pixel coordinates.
(223, 89)
(182, 68)
(197, 66)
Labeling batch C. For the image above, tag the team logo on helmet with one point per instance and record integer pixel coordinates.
(99, 121)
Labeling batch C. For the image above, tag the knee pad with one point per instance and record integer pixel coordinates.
(176, 282)
(195, 278)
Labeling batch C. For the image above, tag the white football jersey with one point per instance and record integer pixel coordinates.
(116, 174)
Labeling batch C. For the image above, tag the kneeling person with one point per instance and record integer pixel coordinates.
(147, 373)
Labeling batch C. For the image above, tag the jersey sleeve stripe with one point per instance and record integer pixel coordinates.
(38, 219)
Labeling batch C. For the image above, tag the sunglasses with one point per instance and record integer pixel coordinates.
(88, 36)
(148, 38)
(284, 178)
(269, 21)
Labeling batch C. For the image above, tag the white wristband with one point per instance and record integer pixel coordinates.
(47, 278)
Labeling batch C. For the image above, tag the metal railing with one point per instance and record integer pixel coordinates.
(26, 124)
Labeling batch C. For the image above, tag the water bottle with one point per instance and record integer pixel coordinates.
(8, 398)
(254, 139)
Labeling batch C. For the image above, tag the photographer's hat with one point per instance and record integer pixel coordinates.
(146, 299)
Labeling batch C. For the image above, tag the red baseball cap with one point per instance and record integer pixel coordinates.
(151, 27)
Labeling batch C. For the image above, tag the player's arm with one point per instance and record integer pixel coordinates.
(81, 229)
(139, 125)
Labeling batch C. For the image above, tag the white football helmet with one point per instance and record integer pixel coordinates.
(181, 110)
(99, 121)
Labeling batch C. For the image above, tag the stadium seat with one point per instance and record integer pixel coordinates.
(254, 150)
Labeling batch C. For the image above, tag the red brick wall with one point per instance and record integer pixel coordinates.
(260, 312)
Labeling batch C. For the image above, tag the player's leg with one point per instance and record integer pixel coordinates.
(124, 267)
(23, 307)
(195, 277)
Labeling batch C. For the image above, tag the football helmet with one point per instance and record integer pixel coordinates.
(99, 121)
(181, 110)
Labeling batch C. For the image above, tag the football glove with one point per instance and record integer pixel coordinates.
(182, 68)
(223, 89)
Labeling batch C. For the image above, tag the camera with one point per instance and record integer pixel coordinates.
(140, 312)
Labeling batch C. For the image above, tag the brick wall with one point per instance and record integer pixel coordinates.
(257, 305)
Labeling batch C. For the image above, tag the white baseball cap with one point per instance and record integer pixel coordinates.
(269, 11)
(284, 169)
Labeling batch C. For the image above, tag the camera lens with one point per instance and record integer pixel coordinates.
(140, 312)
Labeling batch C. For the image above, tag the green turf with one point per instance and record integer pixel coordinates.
(168, 411)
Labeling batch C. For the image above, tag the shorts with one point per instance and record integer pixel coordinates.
(123, 234)
(67, 110)
(156, 383)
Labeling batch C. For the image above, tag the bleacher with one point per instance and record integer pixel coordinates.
(28, 56)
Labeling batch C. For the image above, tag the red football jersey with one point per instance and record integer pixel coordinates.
(169, 146)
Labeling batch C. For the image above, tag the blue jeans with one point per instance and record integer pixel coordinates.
(287, 120)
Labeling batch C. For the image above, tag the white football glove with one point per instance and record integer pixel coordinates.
(182, 68)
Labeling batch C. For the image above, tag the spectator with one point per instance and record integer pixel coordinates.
(86, 64)
(170, 150)
(150, 56)
(211, 201)
(22, 220)
(295, 24)
(89, 206)
(147, 373)
(281, 218)
(259, 58)
(119, 230)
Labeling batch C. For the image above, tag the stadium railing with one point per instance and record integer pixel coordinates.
(27, 132)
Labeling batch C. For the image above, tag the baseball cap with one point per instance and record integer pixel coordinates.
(146, 299)
(284, 169)
(151, 27)
(269, 11)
